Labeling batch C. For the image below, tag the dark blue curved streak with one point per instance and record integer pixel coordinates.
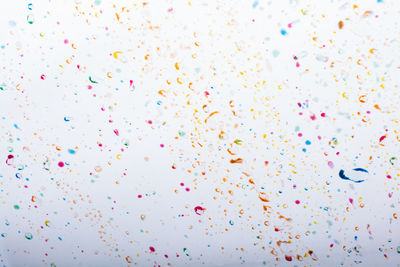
(344, 177)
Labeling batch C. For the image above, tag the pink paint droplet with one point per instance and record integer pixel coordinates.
(297, 64)
(330, 164)
(187, 189)
(61, 164)
(150, 122)
(297, 202)
(43, 77)
(139, 196)
(66, 41)
(199, 210)
(351, 200)
(161, 145)
(313, 117)
(116, 132)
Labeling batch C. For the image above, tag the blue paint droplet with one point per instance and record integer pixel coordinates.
(283, 32)
(304, 150)
(71, 151)
(308, 142)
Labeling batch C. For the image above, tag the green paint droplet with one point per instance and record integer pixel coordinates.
(16, 207)
(28, 236)
(97, 2)
(30, 19)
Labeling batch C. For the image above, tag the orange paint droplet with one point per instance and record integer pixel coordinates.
(238, 160)
(341, 24)
(98, 168)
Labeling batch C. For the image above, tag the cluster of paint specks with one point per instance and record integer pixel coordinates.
(200, 133)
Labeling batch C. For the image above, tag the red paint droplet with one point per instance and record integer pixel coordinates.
(288, 258)
(313, 117)
(323, 115)
(61, 164)
(139, 196)
(152, 249)
(162, 145)
(43, 77)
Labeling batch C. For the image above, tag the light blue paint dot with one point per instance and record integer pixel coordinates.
(275, 53)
